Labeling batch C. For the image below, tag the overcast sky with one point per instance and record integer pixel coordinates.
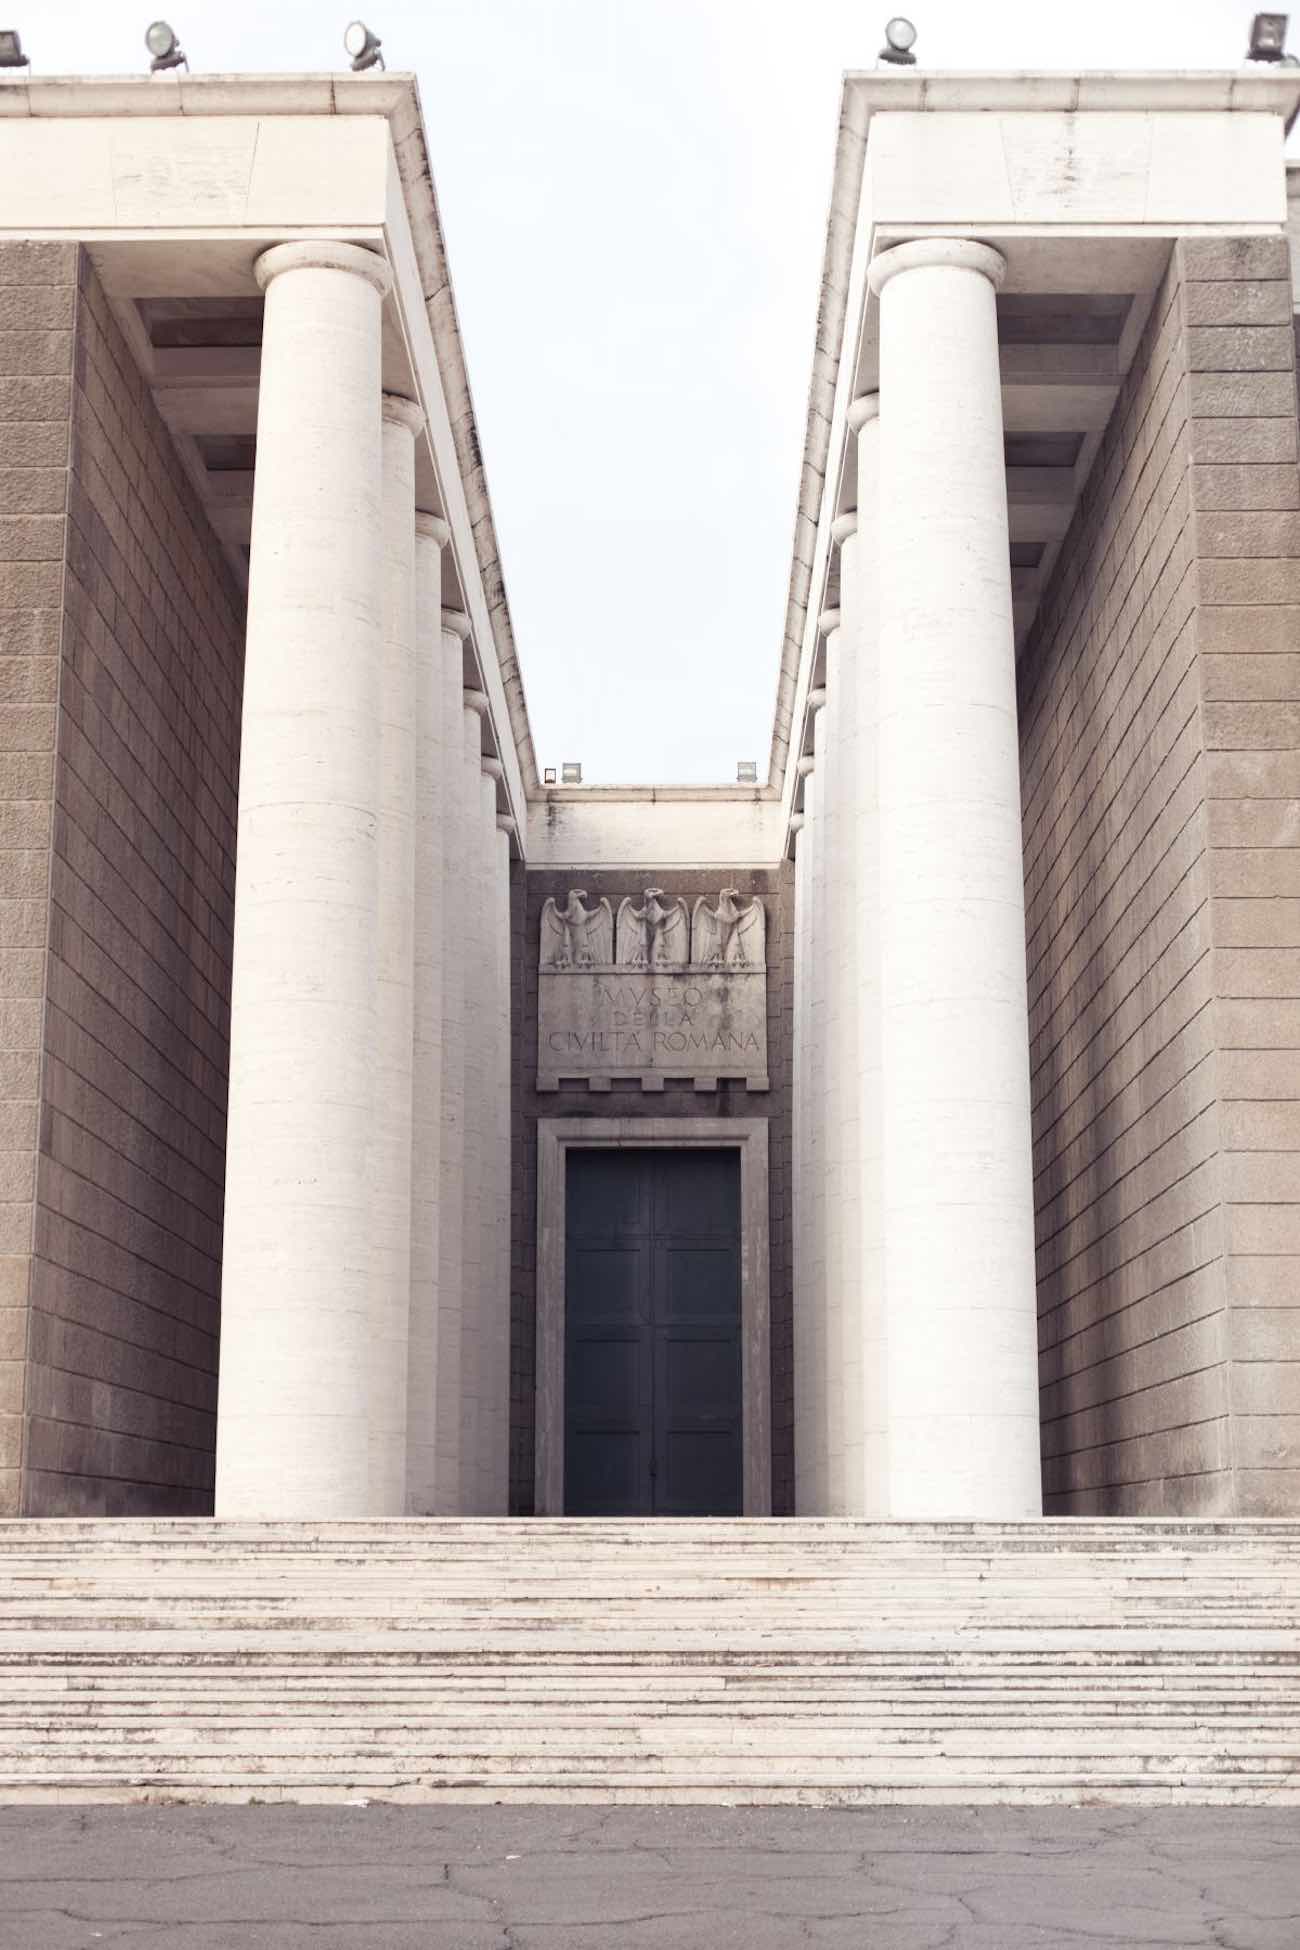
(634, 196)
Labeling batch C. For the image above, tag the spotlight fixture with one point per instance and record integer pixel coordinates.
(900, 38)
(362, 46)
(164, 48)
(1267, 38)
(11, 49)
(570, 773)
(549, 775)
(746, 771)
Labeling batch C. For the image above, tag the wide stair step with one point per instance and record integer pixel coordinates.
(827, 1662)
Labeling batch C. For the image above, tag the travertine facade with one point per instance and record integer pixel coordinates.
(1157, 939)
(983, 1009)
(126, 974)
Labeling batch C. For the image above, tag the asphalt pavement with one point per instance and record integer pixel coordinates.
(512, 1878)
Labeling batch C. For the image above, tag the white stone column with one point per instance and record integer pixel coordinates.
(844, 1327)
(804, 1370)
(869, 1483)
(818, 1075)
(810, 1281)
(474, 923)
(390, 1127)
(457, 986)
(293, 1413)
(831, 927)
(428, 1021)
(505, 1183)
(494, 1310)
(957, 1195)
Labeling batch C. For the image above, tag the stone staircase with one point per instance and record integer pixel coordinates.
(826, 1662)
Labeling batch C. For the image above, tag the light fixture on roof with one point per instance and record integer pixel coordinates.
(11, 49)
(900, 39)
(164, 48)
(746, 771)
(362, 46)
(1267, 38)
(549, 775)
(570, 773)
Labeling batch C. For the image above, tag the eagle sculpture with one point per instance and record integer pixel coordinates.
(729, 935)
(576, 936)
(655, 935)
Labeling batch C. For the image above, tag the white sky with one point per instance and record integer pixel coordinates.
(634, 196)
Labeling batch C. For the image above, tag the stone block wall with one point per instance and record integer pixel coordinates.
(119, 1388)
(679, 1098)
(1245, 489)
(1157, 1181)
(38, 299)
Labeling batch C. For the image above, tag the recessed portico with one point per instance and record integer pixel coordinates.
(996, 892)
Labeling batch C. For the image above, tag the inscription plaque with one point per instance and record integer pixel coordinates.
(654, 994)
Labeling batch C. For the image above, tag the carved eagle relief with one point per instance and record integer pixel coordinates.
(655, 934)
(729, 935)
(577, 936)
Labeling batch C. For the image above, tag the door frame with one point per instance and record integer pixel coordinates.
(748, 1135)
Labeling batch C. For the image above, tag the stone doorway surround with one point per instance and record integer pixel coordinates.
(555, 1135)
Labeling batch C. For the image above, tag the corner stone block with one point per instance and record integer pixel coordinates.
(1239, 302)
(1235, 258)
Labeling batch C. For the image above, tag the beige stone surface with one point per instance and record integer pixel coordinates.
(1160, 705)
(124, 1289)
(38, 301)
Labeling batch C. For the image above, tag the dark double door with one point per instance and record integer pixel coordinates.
(652, 1334)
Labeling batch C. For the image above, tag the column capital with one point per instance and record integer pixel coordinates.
(399, 412)
(456, 623)
(865, 407)
(492, 768)
(797, 822)
(842, 527)
(937, 253)
(476, 701)
(434, 529)
(828, 622)
(817, 698)
(506, 825)
(806, 766)
(324, 254)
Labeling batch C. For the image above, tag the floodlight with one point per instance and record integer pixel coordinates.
(163, 46)
(1267, 38)
(900, 38)
(746, 771)
(549, 775)
(570, 773)
(362, 46)
(11, 49)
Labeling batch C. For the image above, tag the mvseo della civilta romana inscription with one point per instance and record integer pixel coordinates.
(653, 991)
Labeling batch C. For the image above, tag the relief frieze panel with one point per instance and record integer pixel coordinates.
(655, 990)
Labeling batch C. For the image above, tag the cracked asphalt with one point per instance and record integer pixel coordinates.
(513, 1878)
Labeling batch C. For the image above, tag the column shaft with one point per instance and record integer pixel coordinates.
(473, 921)
(869, 1489)
(391, 1118)
(805, 1402)
(292, 1433)
(818, 1116)
(832, 929)
(958, 1210)
(494, 1311)
(428, 1018)
(505, 1187)
(845, 1350)
(457, 897)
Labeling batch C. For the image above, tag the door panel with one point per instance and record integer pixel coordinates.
(653, 1357)
(607, 1281)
